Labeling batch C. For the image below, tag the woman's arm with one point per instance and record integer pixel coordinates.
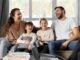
(19, 40)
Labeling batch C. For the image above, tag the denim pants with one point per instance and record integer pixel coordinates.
(34, 52)
(54, 46)
(76, 52)
(4, 45)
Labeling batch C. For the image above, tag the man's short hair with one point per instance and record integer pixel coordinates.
(60, 7)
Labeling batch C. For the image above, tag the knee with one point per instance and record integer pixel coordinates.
(52, 45)
(72, 45)
(4, 42)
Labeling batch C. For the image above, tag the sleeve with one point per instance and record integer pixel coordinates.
(19, 39)
(33, 38)
(51, 36)
(73, 23)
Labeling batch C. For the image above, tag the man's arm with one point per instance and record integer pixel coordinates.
(76, 34)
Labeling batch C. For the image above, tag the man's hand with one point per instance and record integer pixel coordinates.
(65, 44)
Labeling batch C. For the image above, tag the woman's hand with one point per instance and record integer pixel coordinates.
(13, 42)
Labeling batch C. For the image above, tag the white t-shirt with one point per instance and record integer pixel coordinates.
(46, 35)
(63, 28)
(31, 37)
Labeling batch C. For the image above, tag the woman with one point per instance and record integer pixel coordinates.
(13, 29)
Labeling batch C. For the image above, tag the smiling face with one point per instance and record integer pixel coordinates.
(43, 24)
(59, 13)
(17, 16)
(29, 27)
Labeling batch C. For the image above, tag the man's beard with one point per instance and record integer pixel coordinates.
(60, 17)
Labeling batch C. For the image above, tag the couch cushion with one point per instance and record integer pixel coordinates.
(65, 54)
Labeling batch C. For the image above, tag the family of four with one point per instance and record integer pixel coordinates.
(21, 36)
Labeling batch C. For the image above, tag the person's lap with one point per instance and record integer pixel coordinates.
(4, 45)
(43, 48)
(55, 45)
(72, 45)
(33, 51)
(75, 53)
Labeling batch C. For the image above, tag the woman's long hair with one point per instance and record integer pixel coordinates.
(10, 20)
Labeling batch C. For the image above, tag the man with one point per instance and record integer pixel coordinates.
(66, 30)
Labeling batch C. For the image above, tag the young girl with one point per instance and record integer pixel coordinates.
(45, 35)
(26, 40)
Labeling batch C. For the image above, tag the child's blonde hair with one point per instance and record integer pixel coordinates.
(43, 19)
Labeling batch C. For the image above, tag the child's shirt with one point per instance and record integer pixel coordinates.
(46, 35)
(30, 37)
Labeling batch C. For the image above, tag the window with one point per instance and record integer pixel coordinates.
(36, 22)
(23, 5)
(41, 8)
(34, 9)
(71, 7)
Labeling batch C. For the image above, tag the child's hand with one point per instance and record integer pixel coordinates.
(27, 42)
(41, 43)
(30, 46)
(40, 39)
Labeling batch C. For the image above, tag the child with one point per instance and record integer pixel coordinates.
(45, 35)
(27, 40)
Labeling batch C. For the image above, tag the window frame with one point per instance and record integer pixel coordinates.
(30, 12)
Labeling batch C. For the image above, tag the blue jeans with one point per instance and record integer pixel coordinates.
(76, 52)
(4, 44)
(34, 50)
(4, 47)
(54, 46)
